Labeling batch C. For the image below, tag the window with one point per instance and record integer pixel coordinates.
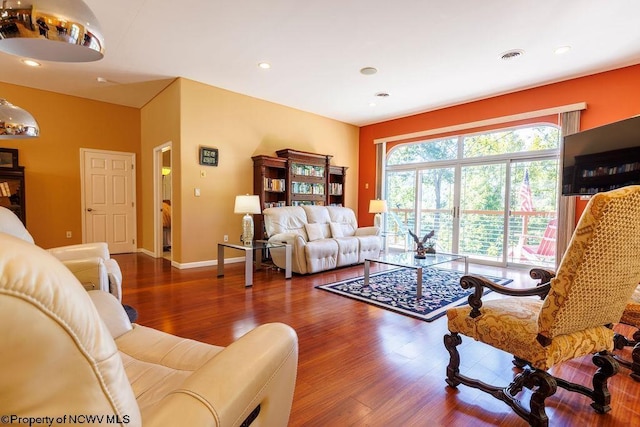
(467, 189)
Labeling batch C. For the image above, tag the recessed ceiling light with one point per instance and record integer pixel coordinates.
(512, 54)
(264, 65)
(562, 49)
(367, 71)
(30, 62)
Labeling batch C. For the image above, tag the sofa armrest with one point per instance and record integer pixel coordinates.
(298, 243)
(90, 272)
(83, 250)
(114, 275)
(259, 369)
(367, 231)
(111, 312)
(289, 238)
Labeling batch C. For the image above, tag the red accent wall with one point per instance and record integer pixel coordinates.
(610, 96)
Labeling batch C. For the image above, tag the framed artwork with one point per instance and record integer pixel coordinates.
(208, 156)
(8, 158)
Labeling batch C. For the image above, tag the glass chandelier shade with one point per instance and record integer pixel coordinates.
(16, 123)
(51, 30)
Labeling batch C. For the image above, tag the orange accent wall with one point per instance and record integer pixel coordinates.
(610, 96)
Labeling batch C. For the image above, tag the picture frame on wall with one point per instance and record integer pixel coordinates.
(208, 156)
(8, 158)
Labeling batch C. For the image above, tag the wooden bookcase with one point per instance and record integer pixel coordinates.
(337, 178)
(594, 173)
(296, 178)
(12, 193)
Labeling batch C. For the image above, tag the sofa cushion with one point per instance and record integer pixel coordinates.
(321, 255)
(348, 251)
(336, 230)
(344, 216)
(286, 219)
(314, 231)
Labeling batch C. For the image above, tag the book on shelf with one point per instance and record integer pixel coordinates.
(307, 203)
(274, 184)
(307, 188)
(274, 204)
(5, 191)
(307, 170)
(335, 189)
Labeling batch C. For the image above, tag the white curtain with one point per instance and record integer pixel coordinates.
(381, 152)
(569, 123)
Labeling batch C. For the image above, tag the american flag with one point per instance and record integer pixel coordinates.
(526, 204)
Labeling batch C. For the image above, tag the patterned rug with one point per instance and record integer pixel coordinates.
(395, 290)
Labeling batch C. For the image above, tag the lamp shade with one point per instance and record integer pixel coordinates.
(247, 204)
(377, 206)
(51, 30)
(16, 122)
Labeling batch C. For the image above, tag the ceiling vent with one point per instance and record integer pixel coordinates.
(512, 54)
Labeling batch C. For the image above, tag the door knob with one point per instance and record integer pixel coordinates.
(89, 210)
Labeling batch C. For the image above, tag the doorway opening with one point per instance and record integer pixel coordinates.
(163, 175)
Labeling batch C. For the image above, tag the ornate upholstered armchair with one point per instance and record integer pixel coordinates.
(631, 316)
(594, 281)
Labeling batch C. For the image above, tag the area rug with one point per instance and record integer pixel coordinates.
(395, 290)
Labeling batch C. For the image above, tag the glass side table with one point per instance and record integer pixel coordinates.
(257, 247)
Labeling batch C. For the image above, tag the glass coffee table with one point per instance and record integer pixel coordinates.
(257, 247)
(408, 260)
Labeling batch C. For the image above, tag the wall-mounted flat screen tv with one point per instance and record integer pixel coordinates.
(601, 158)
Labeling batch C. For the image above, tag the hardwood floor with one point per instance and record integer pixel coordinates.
(359, 365)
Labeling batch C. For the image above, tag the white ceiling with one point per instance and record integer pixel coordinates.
(429, 54)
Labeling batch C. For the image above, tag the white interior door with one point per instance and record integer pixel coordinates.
(109, 199)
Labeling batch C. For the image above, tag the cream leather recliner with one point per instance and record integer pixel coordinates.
(74, 354)
(91, 263)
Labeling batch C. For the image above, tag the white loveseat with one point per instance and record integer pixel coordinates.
(322, 237)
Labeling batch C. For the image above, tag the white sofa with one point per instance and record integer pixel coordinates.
(69, 353)
(322, 237)
(91, 263)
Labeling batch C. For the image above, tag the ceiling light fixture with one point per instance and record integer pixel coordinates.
(31, 63)
(58, 31)
(512, 54)
(264, 65)
(561, 50)
(16, 122)
(368, 71)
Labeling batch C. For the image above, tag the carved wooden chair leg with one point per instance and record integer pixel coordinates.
(451, 341)
(620, 341)
(635, 365)
(543, 385)
(607, 367)
(519, 363)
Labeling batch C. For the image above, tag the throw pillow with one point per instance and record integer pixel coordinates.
(336, 229)
(314, 231)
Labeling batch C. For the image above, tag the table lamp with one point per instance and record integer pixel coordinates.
(248, 205)
(377, 207)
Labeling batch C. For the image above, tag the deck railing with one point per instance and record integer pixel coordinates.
(481, 232)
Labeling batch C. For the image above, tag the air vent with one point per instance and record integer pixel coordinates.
(512, 54)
